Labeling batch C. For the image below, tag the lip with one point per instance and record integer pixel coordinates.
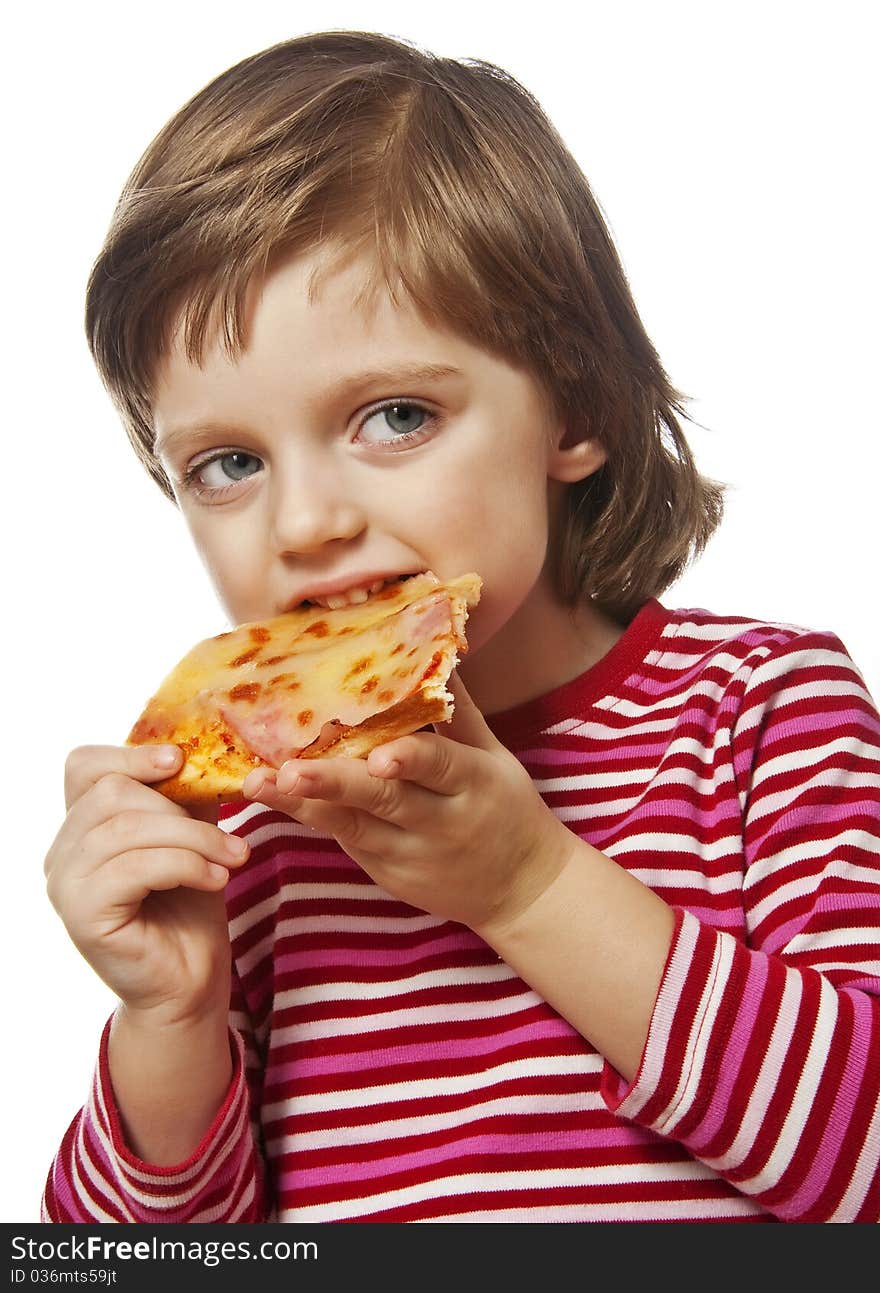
(344, 584)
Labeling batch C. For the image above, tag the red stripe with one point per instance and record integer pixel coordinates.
(752, 1057)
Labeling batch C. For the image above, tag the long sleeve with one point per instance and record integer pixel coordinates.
(96, 1177)
(763, 1054)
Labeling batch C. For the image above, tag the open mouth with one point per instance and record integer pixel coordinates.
(354, 596)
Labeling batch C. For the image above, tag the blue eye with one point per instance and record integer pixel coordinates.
(222, 471)
(403, 418)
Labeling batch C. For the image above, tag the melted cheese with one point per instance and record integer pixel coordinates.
(268, 691)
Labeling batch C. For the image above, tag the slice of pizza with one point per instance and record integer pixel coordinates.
(311, 683)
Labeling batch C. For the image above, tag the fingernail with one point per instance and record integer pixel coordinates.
(165, 756)
(236, 846)
(392, 768)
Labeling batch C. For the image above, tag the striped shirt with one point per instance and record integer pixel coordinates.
(389, 1067)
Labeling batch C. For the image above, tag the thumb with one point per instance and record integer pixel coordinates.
(467, 725)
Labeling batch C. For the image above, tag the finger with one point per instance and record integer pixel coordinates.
(126, 881)
(260, 786)
(255, 780)
(350, 826)
(435, 764)
(111, 794)
(87, 764)
(467, 725)
(345, 782)
(134, 831)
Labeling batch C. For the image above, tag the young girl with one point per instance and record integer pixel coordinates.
(604, 947)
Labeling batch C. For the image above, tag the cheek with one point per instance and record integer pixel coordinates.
(228, 553)
(500, 481)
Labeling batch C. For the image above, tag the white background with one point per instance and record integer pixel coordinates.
(733, 150)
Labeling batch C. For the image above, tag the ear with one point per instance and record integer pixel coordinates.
(573, 456)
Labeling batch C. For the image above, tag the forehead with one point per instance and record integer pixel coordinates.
(310, 313)
(313, 324)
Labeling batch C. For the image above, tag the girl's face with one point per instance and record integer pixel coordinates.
(345, 446)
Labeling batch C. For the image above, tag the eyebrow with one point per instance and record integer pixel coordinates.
(345, 388)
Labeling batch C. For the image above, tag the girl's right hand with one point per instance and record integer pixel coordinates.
(139, 882)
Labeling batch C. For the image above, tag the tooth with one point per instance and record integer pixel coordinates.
(336, 602)
(358, 596)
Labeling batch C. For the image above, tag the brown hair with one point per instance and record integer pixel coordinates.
(449, 172)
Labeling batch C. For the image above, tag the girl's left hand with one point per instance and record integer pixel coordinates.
(451, 824)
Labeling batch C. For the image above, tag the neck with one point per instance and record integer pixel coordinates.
(541, 647)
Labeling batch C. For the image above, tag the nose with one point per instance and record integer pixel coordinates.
(311, 508)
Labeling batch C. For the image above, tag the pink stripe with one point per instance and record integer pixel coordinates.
(693, 819)
(512, 1146)
(841, 1112)
(389, 957)
(421, 1052)
(725, 1068)
(604, 751)
(729, 921)
(823, 722)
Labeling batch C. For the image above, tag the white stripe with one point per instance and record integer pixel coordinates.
(723, 630)
(260, 951)
(860, 970)
(393, 1129)
(105, 1185)
(846, 936)
(177, 1195)
(679, 662)
(834, 868)
(489, 1182)
(253, 915)
(248, 1194)
(329, 891)
(594, 816)
(353, 1026)
(631, 1210)
(409, 1092)
(350, 924)
(593, 781)
(672, 842)
(768, 1077)
(655, 1048)
(754, 709)
(863, 1176)
(700, 1036)
(449, 977)
(696, 1045)
(778, 665)
(673, 775)
(801, 1102)
(198, 1176)
(94, 1170)
(695, 879)
(648, 724)
(217, 1212)
(341, 924)
(670, 703)
(799, 760)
